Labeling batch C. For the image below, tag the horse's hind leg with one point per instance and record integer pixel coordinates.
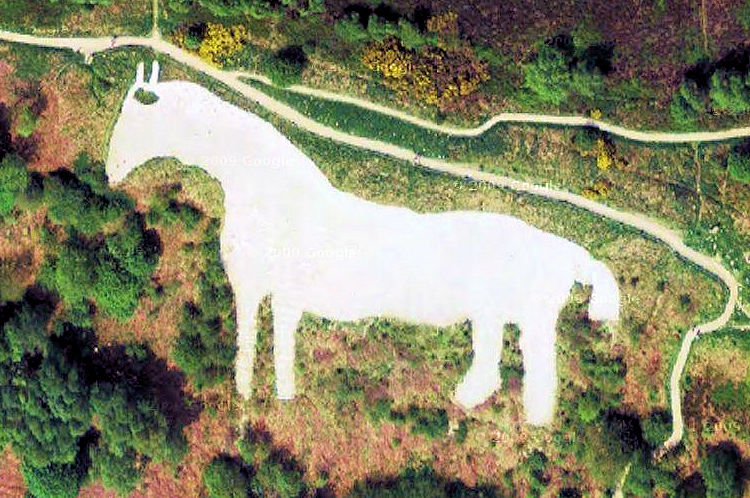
(483, 377)
(537, 344)
(285, 320)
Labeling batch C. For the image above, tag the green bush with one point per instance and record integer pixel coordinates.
(26, 123)
(657, 427)
(14, 180)
(118, 472)
(417, 483)
(52, 481)
(721, 472)
(738, 164)
(206, 347)
(730, 93)
(273, 479)
(284, 68)
(145, 97)
(225, 477)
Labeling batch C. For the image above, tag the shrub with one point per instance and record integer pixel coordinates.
(14, 179)
(118, 472)
(721, 472)
(285, 67)
(222, 42)
(351, 30)
(729, 92)
(52, 481)
(738, 164)
(225, 477)
(206, 347)
(26, 123)
(434, 75)
(657, 427)
(553, 75)
(145, 97)
(272, 479)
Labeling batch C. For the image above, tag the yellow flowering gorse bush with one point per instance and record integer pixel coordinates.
(433, 75)
(221, 42)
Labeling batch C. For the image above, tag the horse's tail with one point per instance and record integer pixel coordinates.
(605, 296)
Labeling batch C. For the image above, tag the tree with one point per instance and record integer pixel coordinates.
(284, 68)
(729, 92)
(118, 472)
(556, 72)
(721, 471)
(545, 76)
(738, 164)
(225, 477)
(657, 427)
(14, 179)
(53, 481)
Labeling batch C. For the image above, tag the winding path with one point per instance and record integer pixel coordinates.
(647, 225)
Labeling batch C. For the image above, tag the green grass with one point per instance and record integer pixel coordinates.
(68, 18)
(389, 181)
(365, 123)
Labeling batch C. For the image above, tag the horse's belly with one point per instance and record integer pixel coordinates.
(407, 291)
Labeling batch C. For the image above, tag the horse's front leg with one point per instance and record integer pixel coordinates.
(286, 316)
(483, 377)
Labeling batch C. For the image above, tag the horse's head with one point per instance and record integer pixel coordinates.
(157, 120)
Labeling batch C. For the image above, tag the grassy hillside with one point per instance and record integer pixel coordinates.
(374, 395)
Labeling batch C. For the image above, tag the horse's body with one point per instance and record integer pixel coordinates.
(289, 233)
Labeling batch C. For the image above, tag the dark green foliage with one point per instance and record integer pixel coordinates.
(729, 92)
(462, 432)
(721, 471)
(53, 481)
(657, 427)
(26, 123)
(738, 163)
(167, 209)
(609, 445)
(117, 471)
(73, 203)
(141, 401)
(648, 478)
(226, 477)
(206, 348)
(125, 264)
(430, 422)
(25, 331)
(54, 386)
(589, 407)
(352, 30)
(284, 68)
(557, 72)
(14, 180)
(108, 256)
(535, 468)
(688, 104)
(275, 473)
(273, 478)
(417, 483)
(145, 97)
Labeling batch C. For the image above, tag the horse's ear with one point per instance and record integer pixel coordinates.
(139, 75)
(138, 81)
(154, 78)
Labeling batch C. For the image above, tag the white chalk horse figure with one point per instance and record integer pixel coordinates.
(289, 233)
